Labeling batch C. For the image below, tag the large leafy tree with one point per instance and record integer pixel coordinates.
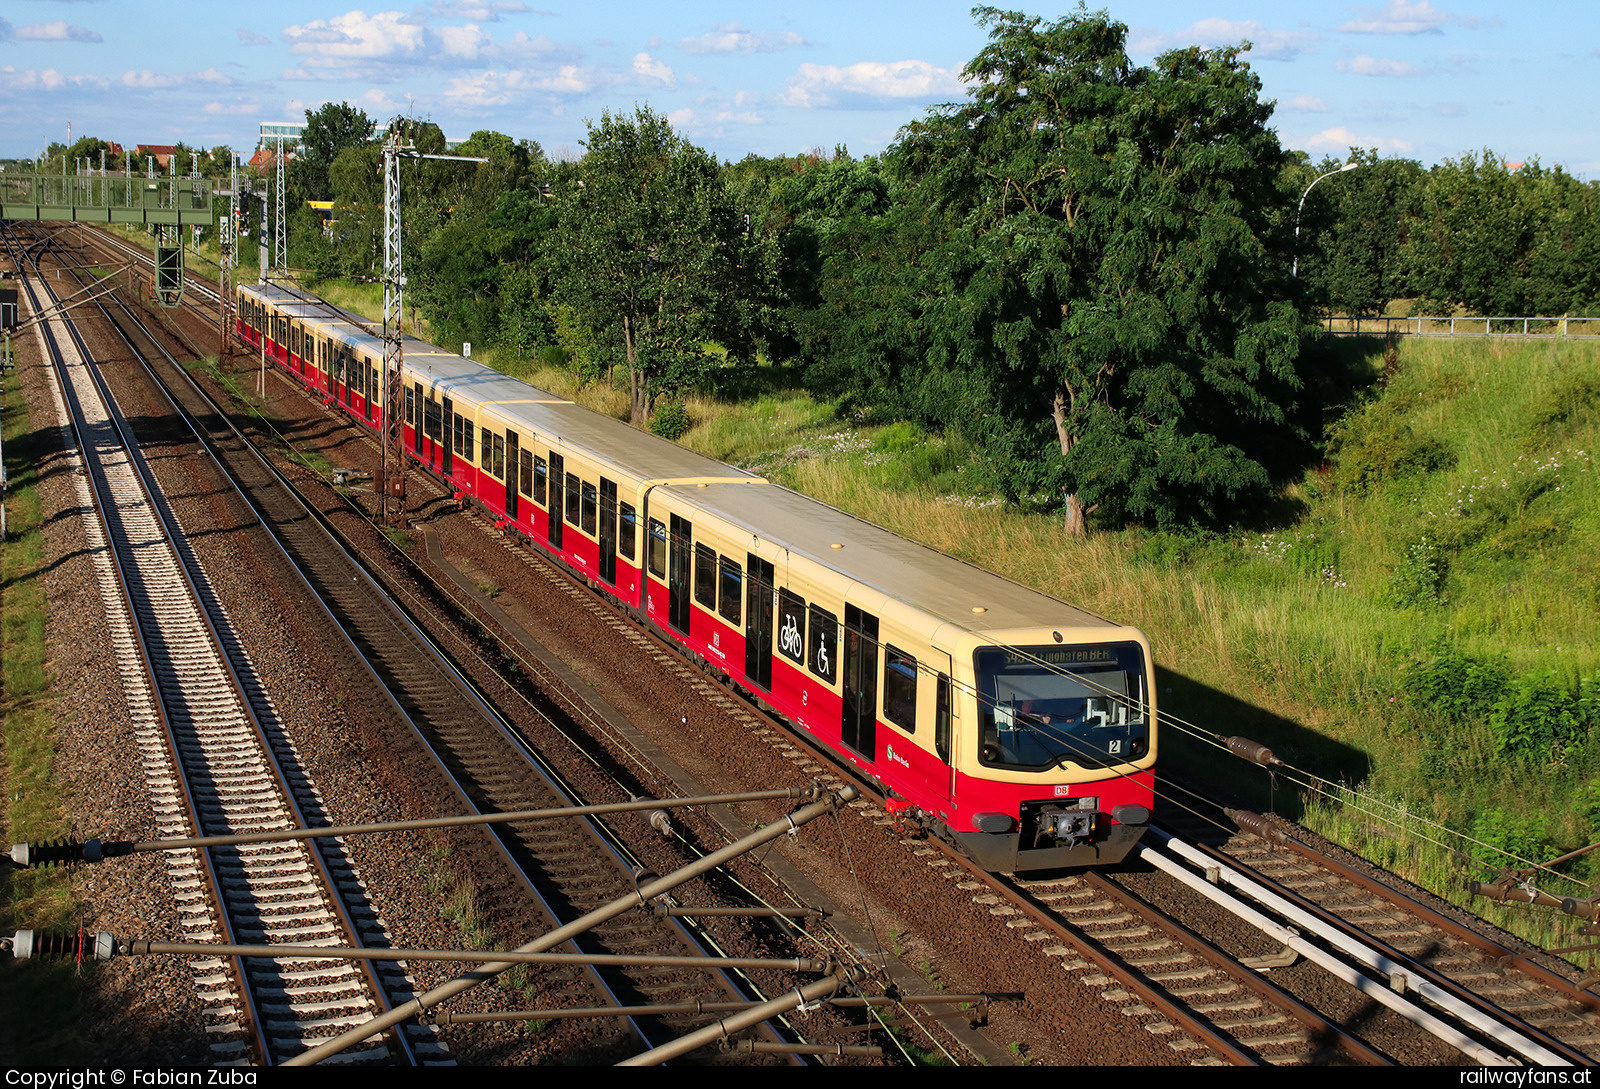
(330, 129)
(648, 252)
(1355, 229)
(1087, 270)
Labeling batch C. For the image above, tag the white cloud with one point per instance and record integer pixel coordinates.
(653, 71)
(1305, 104)
(733, 38)
(493, 88)
(1341, 138)
(243, 109)
(1364, 65)
(483, 11)
(12, 80)
(390, 45)
(679, 119)
(58, 31)
(1401, 17)
(828, 85)
(1265, 43)
(355, 37)
(155, 81)
(250, 37)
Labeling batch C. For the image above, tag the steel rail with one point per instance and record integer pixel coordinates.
(289, 796)
(103, 503)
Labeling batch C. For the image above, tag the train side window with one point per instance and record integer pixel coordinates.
(574, 486)
(627, 527)
(525, 477)
(488, 449)
(541, 477)
(591, 502)
(731, 591)
(900, 689)
(792, 626)
(455, 431)
(433, 419)
(823, 646)
(411, 409)
(499, 469)
(658, 549)
(466, 438)
(705, 576)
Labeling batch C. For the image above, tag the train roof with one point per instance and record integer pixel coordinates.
(898, 567)
(901, 568)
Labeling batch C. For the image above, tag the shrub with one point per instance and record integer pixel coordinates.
(1419, 578)
(1540, 716)
(671, 420)
(1457, 686)
(1374, 446)
(1522, 837)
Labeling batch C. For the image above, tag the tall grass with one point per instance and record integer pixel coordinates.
(38, 1001)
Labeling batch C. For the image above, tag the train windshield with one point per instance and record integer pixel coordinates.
(1041, 707)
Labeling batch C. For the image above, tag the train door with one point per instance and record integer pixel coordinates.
(859, 727)
(513, 467)
(943, 710)
(608, 531)
(558, 475)
(449, 435)
(758, 622)
(680, 565)
(416, 420)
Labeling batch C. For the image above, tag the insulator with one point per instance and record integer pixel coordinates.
(658, 818)
(1584, 909)
(80, 944)
(1255, 824)
(58, 852)
(1253, 751)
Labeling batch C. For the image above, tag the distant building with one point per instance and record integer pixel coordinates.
(288, 131)
(161, 153)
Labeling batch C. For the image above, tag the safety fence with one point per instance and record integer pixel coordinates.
(1354, 325)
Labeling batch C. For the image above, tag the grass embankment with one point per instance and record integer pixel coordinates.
(38, 1001)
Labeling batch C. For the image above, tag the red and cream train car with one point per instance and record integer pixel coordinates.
(1014, 725)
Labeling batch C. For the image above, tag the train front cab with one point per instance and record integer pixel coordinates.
(1056, 752)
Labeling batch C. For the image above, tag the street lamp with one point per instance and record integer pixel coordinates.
(1294, 270)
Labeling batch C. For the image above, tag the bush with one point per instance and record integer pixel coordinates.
(1522, 837)
(1374, 446)
(1418, 580)
(1539, 716)
(1457, 686)
(671, 420)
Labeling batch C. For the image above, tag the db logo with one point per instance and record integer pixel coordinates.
(716, 639)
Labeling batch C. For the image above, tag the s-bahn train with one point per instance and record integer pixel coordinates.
(1017, 727)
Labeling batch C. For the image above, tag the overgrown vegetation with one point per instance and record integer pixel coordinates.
(38, 1001)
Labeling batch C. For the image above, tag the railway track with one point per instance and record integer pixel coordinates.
(215, 755)
(565, 869)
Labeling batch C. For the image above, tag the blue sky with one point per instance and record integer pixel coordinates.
(1409, 77)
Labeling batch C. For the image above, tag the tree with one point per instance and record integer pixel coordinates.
(1354, 232)
(647, 251)
(1090, 265)
(329, 130)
